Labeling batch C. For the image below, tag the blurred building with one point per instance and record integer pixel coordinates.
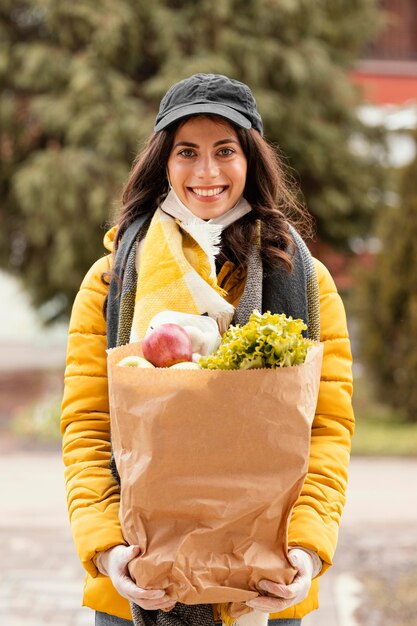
(387, 75)
(388, 71)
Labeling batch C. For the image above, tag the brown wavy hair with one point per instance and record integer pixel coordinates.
(269, 189)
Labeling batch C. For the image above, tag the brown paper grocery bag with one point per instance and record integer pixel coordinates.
(211, 463)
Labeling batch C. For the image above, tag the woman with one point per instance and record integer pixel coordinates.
(208, 172)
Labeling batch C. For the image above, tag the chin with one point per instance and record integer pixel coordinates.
(208, 214)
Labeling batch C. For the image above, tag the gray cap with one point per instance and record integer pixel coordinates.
(213, 94)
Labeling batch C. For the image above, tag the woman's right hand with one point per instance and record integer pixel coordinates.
(114, 564)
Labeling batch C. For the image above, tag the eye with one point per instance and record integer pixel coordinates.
(226, 151)
(187, 153)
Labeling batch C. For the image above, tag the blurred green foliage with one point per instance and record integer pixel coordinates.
(387, 298)
(80, 86)
(380, 430)
(39, 421)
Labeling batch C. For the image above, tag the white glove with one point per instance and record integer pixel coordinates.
(254, 618)
(113, 563)
(283, 596)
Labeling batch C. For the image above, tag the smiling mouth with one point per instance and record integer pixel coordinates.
(207, 193)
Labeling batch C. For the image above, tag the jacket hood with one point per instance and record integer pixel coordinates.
(109, 238)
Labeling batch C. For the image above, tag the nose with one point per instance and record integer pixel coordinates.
(207, 167)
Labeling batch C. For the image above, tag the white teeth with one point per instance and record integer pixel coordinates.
(208, 192)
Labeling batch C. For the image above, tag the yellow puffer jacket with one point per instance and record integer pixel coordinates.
(93, 494)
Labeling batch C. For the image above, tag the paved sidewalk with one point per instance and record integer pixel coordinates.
(379, 526)
(41, 580)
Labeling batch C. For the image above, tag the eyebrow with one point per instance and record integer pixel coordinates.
(221, 142)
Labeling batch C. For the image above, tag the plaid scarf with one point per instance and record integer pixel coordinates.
(175, 274)
(295, 293)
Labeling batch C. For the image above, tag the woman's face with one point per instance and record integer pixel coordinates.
(207, 166)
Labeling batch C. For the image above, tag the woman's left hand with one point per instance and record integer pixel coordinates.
(283, 596)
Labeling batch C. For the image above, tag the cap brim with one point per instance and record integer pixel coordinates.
(205, 107)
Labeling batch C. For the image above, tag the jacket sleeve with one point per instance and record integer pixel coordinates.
(315, 519)
(92, 492)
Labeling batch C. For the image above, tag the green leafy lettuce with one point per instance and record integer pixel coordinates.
(265, 341)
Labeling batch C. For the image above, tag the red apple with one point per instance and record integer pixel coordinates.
(166, 345)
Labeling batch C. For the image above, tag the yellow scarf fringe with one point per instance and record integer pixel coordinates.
(227, 619)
